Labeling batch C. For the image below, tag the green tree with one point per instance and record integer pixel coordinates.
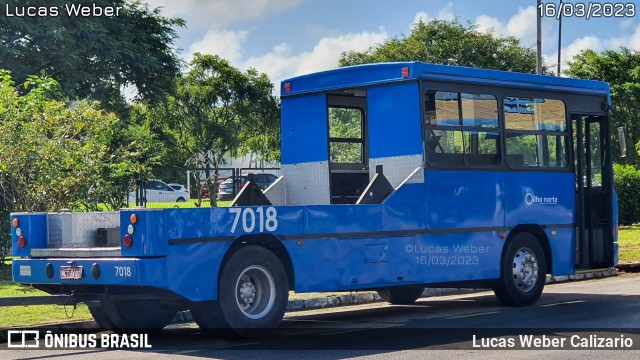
(61, 154)
(93, 57)
(627, 182)
(452, 43)
(621, 69)
(219, 110)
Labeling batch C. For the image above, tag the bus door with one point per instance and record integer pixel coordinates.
(594, 192)
(348, 150)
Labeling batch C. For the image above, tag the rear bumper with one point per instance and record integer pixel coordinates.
(112, 271)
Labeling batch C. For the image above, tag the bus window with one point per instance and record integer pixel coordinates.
(346, 138)
(536, 132)
(461, 129)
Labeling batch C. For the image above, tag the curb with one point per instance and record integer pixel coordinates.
(367, 297)
(629, 267)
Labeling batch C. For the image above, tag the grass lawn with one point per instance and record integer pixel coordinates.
(22, 316)
(629, 242)
(186, 204)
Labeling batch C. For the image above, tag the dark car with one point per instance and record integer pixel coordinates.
(204, 190)
(225, 189)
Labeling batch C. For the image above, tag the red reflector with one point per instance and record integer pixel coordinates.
(405, 72)
(127, 240)
(22, 241)
(287, 87)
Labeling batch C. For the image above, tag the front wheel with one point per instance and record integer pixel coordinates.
(253, 293)
(523, 272)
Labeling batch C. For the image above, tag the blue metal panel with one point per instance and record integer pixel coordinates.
(113, 271)
(344, 77)
(346, 264)
(149, 237)
(332, 219)
(192, 269)
(539, 198)
(34, 229)
(304, 129)
(562, 250)
(464, 199)
(370, 74)
(394, 120)
(405, 209)
(457, 256)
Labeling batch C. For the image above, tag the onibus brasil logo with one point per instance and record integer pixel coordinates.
(32, 339)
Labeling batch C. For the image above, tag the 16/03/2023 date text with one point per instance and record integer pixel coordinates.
(587, 10)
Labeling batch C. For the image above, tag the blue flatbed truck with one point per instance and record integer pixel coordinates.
(395, 177)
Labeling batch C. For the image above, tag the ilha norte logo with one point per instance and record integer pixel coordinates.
(530, 198)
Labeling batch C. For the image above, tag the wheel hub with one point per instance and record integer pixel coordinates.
(525, 269)
(247, 292)
(255, 292)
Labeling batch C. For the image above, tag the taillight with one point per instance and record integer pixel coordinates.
(22, 241)
(127, 240)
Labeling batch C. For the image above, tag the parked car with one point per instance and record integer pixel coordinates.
(159, 191)
(181, 188)
(225, 189)
(204, 190)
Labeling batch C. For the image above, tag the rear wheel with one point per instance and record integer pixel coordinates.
(131, 314)
(180, 199)
(401, 295)
(523, 272)
(253, 292)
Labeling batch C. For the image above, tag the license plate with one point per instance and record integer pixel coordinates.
(71, 272)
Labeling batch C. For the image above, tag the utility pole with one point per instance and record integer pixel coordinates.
(539, 37)
(560, 38)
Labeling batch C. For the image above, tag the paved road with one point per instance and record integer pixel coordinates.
(425, 329)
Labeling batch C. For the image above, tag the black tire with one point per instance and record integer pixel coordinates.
(253, 292)
(401, 295)
(131, 314)
(523, 272)
(180, 199)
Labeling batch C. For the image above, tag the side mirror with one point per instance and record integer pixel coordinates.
(622, 139)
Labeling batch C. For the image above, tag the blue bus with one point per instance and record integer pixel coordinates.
(395, 177)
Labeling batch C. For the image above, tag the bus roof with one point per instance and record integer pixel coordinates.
(378, 73)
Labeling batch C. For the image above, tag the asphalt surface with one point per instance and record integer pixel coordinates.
(439, 326)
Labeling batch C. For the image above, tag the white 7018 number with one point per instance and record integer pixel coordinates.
(260, 218)
(123, 271)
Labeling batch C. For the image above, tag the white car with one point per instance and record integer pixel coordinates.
(181, 189)
(159, 191)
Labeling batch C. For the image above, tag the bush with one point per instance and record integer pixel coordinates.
(627, 182)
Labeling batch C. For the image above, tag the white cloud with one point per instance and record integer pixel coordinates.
(583, 43)
(280, 63)
(634, 41)
(202, 14)
(444, 14)
(226, 44)
(568, 52)
(521, 25)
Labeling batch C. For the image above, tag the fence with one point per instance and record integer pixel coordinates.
(181, 187)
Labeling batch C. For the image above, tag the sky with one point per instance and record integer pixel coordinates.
(285, 38)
